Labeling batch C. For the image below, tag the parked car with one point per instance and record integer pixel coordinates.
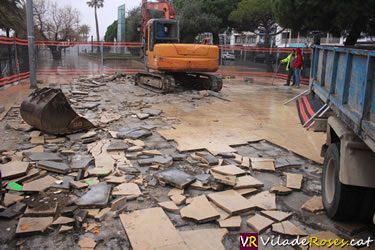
(228, 56)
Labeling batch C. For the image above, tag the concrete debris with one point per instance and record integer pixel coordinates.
(88, 135)
(87, 243)
(176, 191)
(10, 199)
(262, 164)
(42, 156)
(102, 213)
(65, 185)
(118, 203)
(13, 211)
(231, 223)
(64, 229)
(199, 185)
(97, 196)
(228, 170)
(130, 190)
(42, 210)
(281, 190)
(117, 145)
(56, 167)
(39, 185)
(178, 199)
(199, 210)
(170, 206)
(32, 225)
(203, 239)
(133, 134)
(277, 215)
(225, 179)
(175, 178)
(288, 228)
(115, 179)
(313, 205)
(78, 184)
(294, 181)
(13, 169)
(231, 201)
(264, 200)
(246, 191)
(142, 116)
(108, 117)
(153, 112)
(63, 220)
(151, 221)
(148, 127)
(259, 223)
(247, 181)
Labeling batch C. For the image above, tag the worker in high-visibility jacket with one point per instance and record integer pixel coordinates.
(289, 60)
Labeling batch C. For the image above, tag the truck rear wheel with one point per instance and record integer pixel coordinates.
(340, 201)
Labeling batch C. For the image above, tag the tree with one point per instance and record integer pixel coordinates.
(12, 17)
(256, 16)
(348, 18)
(96, 4)
(83, 32)
(133, 21)
(194, 21)
(221, 9)
(56, 24)
(111, 32)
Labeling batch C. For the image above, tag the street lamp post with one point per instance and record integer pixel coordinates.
(30, 36)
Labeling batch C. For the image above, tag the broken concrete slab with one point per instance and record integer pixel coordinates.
(39, 184)
(65, 185)
(313, 205)
(13, 169)
(228, 170)
(142, 116)
(130, 190)
(97, 196)
(247, 181)
(204, 178)
(31, 225)
(129, 170)
(178, 199)
(37, 140)
(176, 178)
(115, 179)
(92, 212)
(294, 181)
(10, 199)
(233, 222)
(117, 145)
(224, 179)
(245, 162)
(204, 239)
(288, 228)
(78, 184)
(231, 201)
(169, 206)
(42, 156)
(118, 203)
(13, 211)
(223, 214)
(152, 112)
(281, 190)
(64, 229)
(259, 223)
(87, 243)
(148, 127)
(262, 164)
(99, 171)
(200, 210)
(210, 159)
(41, 211)
(81, 161)
(102, 213)
(153, 222)
(175, 191)
(277, 215)
(133, 134)
(227, 155)
(56, 167)
(108, 117)
(264, 200)
(62, 220)
(245, 191)
(199, 185)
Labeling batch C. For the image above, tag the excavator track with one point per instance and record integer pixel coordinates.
(156, 82)
(165, 83)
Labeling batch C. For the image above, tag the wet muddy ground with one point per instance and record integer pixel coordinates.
(127, 100)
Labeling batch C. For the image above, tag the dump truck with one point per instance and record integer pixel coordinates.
(344, 79)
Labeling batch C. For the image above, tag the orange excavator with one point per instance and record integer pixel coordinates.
(169, 62)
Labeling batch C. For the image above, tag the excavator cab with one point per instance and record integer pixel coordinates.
(161, 31)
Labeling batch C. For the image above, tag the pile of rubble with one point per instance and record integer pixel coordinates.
(76, 182)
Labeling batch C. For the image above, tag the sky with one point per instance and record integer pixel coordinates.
(106, 15)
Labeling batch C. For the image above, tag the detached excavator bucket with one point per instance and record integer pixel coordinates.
(49, 111)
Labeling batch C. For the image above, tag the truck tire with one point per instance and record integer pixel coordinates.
(341, 202)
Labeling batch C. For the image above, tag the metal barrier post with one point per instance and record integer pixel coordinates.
(102, 58)
(16, 59)
(30, 35)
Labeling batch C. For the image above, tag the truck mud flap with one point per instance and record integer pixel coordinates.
(307, 106)
(49, 111)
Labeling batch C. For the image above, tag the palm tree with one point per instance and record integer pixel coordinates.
(96, 4)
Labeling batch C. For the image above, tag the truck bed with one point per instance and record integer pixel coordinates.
(344, 78)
